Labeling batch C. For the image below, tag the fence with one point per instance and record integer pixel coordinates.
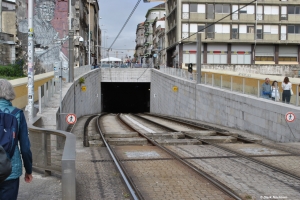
(54, 151)
(242, 84)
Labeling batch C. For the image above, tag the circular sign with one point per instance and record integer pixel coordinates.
(290, 117)
(71, 118)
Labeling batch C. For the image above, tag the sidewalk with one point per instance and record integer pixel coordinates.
(41, 187)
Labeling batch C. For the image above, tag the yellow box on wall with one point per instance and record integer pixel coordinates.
(175, 88)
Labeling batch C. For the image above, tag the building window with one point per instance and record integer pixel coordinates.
(247, 10)
(271, 10)
(283, 15)
(193, 7)
(264, 58)
(210, 31)
(201, 28)
(193, 28)
(288, 59)
(222, 28)
(293, 29)
(259, 32)
(293, 9)
(235, 31)
(250, 29)
(222, 8)
(210, 11)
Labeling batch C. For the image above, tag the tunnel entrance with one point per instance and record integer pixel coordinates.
(125, 97)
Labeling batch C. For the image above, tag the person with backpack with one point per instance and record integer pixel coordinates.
(13, 131)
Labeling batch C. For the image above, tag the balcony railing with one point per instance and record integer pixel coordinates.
(210, 35)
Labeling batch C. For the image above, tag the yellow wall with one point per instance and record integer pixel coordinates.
(21, 90)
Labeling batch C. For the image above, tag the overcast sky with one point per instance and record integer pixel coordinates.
(114, 14)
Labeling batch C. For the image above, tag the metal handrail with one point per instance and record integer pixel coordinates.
(54, 151)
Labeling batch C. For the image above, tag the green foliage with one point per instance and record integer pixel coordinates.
(81, 80)
(13, 70)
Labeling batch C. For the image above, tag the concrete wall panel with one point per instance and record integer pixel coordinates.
(223, 107)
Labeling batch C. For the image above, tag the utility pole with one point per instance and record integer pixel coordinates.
(71, 45)
(0, 15)
(199, 58)
(30, 60)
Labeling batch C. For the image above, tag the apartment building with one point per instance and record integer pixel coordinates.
(158, 51)
(86, 23)
(153, 13)
(140, 38)
(266, 32)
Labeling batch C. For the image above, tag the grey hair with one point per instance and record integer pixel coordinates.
(6, 90)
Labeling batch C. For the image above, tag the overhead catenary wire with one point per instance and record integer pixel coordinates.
(213, 23)
(136, 5)
(204, 29)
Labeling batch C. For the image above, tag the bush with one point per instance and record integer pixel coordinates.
(14, 70)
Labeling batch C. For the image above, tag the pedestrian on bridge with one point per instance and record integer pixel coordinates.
(266, 89)
(286, 87)
(10, 187)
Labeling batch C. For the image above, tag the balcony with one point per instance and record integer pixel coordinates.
(222, 36)
(271, 18)
(196, 16)
(246, 37)
(247, 17)
(294, 38)
(271, 37)
(293, 18)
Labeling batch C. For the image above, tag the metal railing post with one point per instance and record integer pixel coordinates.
(205, 78)
(297, 95)
(231, 83)
(45, 93)
(258, 89)
(40, 99)
(243, 85)
(221, 81)
(212, 79)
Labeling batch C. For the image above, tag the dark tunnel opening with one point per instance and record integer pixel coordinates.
(125, 97)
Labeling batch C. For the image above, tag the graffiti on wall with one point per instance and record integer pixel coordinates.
(50, 38)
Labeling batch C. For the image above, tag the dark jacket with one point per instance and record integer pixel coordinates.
(24, 144)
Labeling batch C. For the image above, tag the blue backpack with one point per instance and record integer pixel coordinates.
(8, 140)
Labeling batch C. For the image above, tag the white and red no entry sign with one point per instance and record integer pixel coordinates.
(290, 117)
(71, 118)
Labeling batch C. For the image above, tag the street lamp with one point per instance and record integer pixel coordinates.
(90, 30)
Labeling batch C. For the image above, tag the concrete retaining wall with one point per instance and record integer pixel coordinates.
(223, 107)
(80, 102)
(282, 70)
(125, 74)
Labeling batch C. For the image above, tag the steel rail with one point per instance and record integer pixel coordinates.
(222, 132)
(134, 193)
(214, 181)
(226, 149)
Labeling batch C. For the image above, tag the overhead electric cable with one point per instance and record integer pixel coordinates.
(205, 28)
(125, 23)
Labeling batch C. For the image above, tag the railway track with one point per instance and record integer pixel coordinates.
(156, 162)
(212, 188)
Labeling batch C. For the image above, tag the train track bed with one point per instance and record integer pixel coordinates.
(96, 175)
(159, 176)
(240, 174)
(247, 169)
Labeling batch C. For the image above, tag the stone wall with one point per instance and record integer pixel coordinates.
(223, 107)
(282, 70)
